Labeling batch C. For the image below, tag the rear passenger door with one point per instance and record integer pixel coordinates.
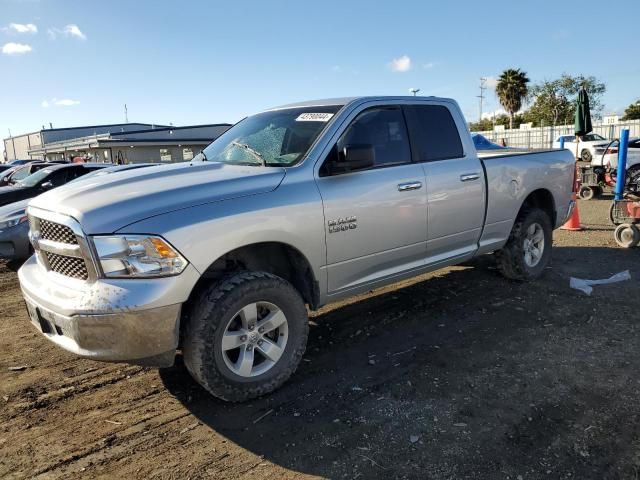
(455, 180)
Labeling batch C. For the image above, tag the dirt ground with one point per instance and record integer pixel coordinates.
(457, 374)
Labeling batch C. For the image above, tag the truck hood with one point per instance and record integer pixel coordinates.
(104, 204)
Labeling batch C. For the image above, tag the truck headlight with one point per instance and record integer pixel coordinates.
(127, 256)
(12, 220)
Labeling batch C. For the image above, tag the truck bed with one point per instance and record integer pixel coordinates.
(511, 177)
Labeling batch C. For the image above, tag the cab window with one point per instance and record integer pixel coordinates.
(434, 133)
(383, 129)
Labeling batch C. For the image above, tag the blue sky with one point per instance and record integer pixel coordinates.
(191, 62)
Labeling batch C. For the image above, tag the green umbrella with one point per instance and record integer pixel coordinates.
(582, 124)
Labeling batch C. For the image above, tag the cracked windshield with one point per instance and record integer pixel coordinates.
(276, 138)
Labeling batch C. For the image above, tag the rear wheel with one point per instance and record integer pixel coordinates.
(587, 193)
(245, 335)
(627, 235)
(528, 250)
(612, 216)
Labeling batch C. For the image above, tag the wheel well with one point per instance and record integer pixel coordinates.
(277, 258)
(542, 199)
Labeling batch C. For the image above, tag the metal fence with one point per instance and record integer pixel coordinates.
(543, 137)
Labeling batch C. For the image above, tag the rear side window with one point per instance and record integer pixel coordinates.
(433, 132)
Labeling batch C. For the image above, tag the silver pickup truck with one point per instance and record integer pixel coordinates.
(299, 205)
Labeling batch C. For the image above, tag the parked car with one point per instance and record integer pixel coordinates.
(47, 178)
(20, 172)
(586, 145)
(308, 203)
(4, 167)
(607, 156)
(15, 163)
(14, 230)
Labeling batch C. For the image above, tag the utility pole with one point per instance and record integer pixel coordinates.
(126, 117)
(483, 82)
(414, 91)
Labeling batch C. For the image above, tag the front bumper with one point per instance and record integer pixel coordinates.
(14, 242)
(126, 320)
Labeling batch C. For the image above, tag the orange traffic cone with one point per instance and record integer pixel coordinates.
(573, 223)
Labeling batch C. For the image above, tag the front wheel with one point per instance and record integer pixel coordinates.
(587, 193)
(586, 156)
(528, 249)
(245, 335)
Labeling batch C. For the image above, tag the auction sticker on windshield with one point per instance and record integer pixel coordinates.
(314, 117)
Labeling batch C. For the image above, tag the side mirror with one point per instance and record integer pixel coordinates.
(355, 157)
(46, 185)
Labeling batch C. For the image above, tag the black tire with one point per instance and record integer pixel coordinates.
(627, 235)
(207, 321)
(585, 155)
(611, 214)
(511, 258)
(587, 193)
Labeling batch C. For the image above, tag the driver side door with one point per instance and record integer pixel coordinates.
(376, 218)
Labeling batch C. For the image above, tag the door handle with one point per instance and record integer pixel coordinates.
(404, 187)
(469, 177)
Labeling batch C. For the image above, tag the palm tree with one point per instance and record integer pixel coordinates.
(511, 90)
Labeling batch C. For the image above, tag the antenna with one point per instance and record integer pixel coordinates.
(126, 117)
(483, 83)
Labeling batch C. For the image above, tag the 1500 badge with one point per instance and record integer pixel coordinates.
(343, 224)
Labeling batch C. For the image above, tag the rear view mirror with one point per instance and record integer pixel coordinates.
(354, 157)
(46, 185)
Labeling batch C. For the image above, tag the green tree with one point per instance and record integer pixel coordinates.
(487, 124)
(553, 102)
(481, 126)
(511, 90)
(632, 112)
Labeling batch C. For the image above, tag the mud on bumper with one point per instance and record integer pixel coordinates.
(132, 321)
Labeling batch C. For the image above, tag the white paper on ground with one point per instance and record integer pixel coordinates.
(585, 285)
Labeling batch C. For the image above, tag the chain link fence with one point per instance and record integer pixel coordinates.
(543, 137)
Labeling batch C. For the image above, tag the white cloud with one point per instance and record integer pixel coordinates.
(495, 113)
(21, 28)
(12, 48)
(490, 82)
(400, 64)
(66, 102)
(71, 30)
(74, 31)
(427, 66)
(62, 102)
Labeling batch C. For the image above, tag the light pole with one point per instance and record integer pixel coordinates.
(414, 91)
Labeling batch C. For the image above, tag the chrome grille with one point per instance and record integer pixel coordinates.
(68, 266)
(60, 245)
(57, 233)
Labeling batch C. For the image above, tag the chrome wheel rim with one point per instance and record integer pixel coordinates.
(533, 245)
(254, 339)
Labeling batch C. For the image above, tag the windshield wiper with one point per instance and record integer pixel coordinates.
(253, 152)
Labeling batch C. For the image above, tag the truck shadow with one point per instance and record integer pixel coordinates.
(387, 375)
